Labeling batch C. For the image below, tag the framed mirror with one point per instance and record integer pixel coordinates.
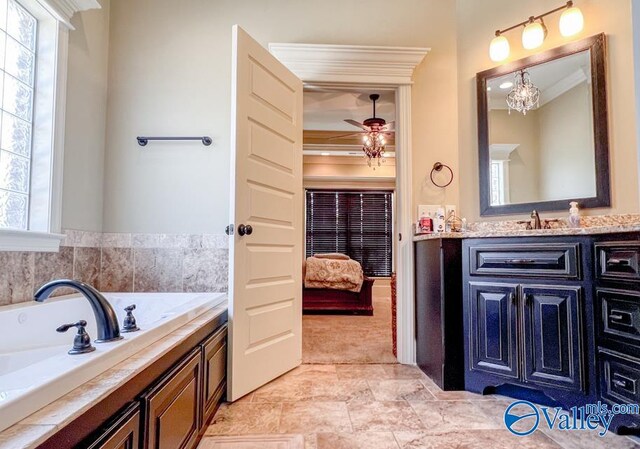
(543, 131)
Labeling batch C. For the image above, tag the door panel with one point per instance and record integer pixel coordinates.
(265, 288)
(552, 335)
(493, 327)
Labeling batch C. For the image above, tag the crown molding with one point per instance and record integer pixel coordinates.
(316, 63)
(65, 9)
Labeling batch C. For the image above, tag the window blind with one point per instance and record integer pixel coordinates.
(358, 224)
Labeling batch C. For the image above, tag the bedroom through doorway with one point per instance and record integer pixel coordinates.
(349, 227)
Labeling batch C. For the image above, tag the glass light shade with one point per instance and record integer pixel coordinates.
(499, 49)
(571, 21)
(533, 35)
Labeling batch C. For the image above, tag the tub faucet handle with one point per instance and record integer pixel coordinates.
(82, 341)
(130, 324)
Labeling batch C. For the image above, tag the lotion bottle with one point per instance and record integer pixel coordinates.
(574, 215)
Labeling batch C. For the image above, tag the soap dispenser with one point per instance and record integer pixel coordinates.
(574, 215)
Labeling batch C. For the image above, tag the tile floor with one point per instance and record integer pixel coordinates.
(383, 407)
(350, 394)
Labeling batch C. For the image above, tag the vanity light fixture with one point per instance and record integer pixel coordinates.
(535, 31)
(325, 154)
(506, 85)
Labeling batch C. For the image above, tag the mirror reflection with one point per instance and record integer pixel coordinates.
(541, 136)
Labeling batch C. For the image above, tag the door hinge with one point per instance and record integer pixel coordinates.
(229, 229)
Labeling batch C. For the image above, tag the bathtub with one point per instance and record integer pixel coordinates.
(35, 368)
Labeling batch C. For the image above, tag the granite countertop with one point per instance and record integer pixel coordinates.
(496, 232)
(37, 428)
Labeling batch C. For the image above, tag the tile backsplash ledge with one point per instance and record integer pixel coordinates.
(120, 262)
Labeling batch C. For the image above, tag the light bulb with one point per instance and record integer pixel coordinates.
(571, 21)
(499, 49)
(533, 35)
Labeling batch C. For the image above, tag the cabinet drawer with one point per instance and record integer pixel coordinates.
(214, 357)
(620, 377)
(172, 408)
(618, 260)
(619, 315)
(556, 260)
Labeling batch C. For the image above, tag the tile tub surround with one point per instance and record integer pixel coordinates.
(37, 428)
(589, 225)
(120, 262)
(395, 407)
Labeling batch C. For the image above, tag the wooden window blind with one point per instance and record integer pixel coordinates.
(359, 224)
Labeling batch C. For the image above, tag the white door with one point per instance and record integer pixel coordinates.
(265, 265)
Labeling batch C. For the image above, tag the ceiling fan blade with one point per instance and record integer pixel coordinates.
(391, 126)
(358, 124)
(341, 136)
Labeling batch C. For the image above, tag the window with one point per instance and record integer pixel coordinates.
(18, 29)
(359, 224)
(498, 191)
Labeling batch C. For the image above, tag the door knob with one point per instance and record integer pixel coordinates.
(245, 230)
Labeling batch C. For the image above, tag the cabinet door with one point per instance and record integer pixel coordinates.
(172, 408)
(552, 338)
(493, 325)
(214, 356)
(122, 433)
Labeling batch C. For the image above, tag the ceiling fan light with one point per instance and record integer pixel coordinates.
(499, 49)
(533, 35)
(571, 21)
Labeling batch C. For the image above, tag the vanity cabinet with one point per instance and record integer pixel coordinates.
(439, 337)
(617, 316)
(527, 305)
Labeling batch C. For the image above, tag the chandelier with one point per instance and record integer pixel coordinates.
(373, 144)
(524, 96)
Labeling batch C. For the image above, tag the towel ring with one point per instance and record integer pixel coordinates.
(437, 167)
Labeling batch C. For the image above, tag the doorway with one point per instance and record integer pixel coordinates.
(349, 210)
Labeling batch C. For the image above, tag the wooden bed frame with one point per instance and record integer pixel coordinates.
(325, 300)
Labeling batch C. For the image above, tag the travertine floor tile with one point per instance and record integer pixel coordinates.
(245, 418)
(362, 371)
(253, 442)
(358, 440)
(402, 372)
(452, 415)
(295, 390)
(381, 416)
(399, 389)
(312, 417)
(471, 439)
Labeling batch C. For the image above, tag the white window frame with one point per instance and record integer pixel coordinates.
(500, 153)
(50, 96)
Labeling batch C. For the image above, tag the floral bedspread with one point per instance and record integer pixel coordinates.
(334, 274)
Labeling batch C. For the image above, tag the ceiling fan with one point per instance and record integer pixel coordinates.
(372, 124)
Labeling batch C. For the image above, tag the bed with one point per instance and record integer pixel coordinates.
(336, 286)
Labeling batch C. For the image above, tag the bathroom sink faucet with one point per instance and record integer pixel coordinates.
(536, 219)
(106, 319)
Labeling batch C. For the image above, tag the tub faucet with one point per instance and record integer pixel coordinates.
(106, 319)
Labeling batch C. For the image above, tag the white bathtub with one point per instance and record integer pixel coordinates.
(35, 368)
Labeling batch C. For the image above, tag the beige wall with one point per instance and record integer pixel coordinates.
(86, 120)
(524, 164)
(477, 22)
(566, 146)
(169, 74)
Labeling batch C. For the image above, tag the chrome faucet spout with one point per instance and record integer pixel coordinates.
(106, 319)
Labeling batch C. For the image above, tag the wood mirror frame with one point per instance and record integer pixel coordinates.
(597, 49)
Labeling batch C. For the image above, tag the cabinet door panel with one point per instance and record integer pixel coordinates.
(172, 408)
(493, 325)
(552, 339)
(123, 433)
(214, 353)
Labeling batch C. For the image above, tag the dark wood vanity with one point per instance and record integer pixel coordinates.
(168, 405)
(551, 319)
